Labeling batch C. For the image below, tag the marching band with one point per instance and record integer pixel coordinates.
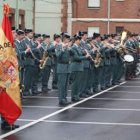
(86, 64)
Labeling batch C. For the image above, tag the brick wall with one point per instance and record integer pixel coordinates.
(81, 10)
(119, 9)
(81, 26)
(125, 9)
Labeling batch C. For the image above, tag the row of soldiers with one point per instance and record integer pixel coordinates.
(88, 64)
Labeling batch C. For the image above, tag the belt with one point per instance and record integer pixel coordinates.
(63, 62)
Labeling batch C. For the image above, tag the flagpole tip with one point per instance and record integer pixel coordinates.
(6, 9)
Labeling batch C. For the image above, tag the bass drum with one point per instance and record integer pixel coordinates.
(128, 58)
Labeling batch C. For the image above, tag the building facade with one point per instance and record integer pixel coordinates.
(21, 13)
(105, 16)
(53, 16)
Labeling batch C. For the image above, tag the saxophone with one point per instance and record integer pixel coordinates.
(98, 57)
(44, 58)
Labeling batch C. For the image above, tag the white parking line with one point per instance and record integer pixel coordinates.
(77, 122)
(132, 92)
(94, 123)
(49, 107)
(39, 97)
(83, 108)
(130, 86)
(116, 99)
(55, 113)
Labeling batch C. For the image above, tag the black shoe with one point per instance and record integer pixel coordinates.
(54, 87)
(75, 100)
(89, 93)
(9, 127)
(64, 103)
(84, 96)
(36, 92)
(103, 88)
(46, 90)
(25, 93)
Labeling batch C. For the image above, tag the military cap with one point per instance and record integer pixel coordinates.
(19, 32)
(95, 35)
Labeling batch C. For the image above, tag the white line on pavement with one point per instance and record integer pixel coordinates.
(116, 99)
(84, 108)
(55, 113)
(125, 91)
(77, 122)
(94, 123)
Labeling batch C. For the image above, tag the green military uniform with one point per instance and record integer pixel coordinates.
(120, 65)
(20, 51)
(86, 72)
(77, 67)
(102, 67)
(97, 78)
(63, 71)
(38, 52)
(54, 65)
(29, 67)
(107, 68)
(47, 67)
(114, 69)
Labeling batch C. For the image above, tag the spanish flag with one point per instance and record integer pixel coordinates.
(10, 103)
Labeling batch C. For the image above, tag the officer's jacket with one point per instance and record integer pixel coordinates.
(20, 51)
(77, 58)
(84, 47)
(63, 59)
(30, 58)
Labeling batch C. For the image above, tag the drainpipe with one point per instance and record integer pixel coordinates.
(17, 15)
(34, 3)
(108, 24)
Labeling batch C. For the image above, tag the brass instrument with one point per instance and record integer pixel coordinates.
(98, 57)
(87, 53)
(44, 60)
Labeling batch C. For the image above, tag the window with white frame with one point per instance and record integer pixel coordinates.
(92, 30)
(93, 3)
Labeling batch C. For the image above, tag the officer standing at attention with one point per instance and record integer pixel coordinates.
(86, 73)
(38, 51)
(77, 67)
(21, 53)
(30, 61)
(46, 69)
(63, 68)
(57, 41)
(97, 41)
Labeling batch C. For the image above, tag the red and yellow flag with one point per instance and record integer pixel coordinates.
(10, 103)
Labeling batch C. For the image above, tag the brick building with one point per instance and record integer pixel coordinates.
(105, 16)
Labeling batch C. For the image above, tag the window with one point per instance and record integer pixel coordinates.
(92, 30)
(93, 3)
(119, 29)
